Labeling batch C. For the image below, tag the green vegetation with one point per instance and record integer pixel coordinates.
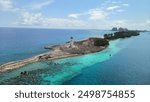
(101, 42)
(122, 34)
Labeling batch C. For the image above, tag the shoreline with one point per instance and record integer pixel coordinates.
(58, 52)
(70, 49)
(20, 63)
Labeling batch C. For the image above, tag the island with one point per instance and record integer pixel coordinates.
(70, 49)
(121, 34)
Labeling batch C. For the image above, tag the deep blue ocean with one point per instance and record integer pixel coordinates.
(20, 43)
(128, 65)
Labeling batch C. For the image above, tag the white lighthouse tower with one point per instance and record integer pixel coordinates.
(71, 43)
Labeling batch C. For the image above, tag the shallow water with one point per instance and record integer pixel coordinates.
(129, 64)
(65, 69)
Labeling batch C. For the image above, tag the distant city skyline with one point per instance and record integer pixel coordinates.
(75, 14)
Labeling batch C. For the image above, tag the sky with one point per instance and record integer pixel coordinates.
(76, 14)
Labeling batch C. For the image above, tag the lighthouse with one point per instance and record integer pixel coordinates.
(71, 43)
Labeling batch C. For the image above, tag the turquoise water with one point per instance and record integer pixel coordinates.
(65, 69)
(78, 63)
(129, 63)
(129, 66)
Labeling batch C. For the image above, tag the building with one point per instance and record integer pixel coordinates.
(70, 44)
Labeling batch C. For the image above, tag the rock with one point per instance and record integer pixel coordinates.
(46, 56)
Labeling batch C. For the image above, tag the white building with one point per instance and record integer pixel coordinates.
(71, 43)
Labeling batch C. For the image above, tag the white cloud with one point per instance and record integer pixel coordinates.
(113, 7)
(92, 18)
(114, 2)
(6, 5)
(102, 13)
(37, 19)
(92, 14)
(148, 22)
(42, 4)
(77, 15)
(31, 18)
(97, 14)
(119, 22)
(115, 23)
(140, 25)
(74, 15)
(61, 23)
(120, 10)
(125, 4)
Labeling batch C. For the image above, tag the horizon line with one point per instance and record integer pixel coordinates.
(34, 27)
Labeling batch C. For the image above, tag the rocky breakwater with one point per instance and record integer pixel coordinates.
(76, 48)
